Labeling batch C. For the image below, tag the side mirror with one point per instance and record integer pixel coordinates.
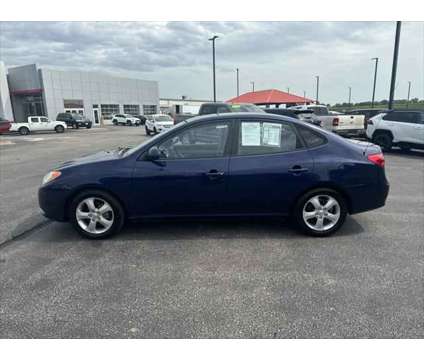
(153, 154)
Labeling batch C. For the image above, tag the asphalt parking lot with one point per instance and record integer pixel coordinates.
(237, 278)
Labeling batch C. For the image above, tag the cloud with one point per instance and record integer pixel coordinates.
(178, 54)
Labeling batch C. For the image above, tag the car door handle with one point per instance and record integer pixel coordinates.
(214, 174)
(297, 169)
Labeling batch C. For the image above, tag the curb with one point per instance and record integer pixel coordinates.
(29, 224)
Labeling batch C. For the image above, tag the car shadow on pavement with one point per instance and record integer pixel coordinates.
(221, 229)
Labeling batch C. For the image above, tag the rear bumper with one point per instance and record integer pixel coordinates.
(365, 198)
(350, 132)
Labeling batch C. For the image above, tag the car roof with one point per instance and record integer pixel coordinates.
(241, 115)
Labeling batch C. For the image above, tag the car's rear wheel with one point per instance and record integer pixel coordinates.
(129, 123)
(148, 132)
(114, 122)
(383, 139)
(23, 130)
(59, 129)
(96, 214)
(320, 212)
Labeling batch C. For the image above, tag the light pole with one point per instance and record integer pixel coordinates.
(316, 99)
(304, 96)
(350, 95)
(238, 84)
(409, 93)
(253, 86)
(288, 90)
(394, 66)
(213, 38)
(375, 81)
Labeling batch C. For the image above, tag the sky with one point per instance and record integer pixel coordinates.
(276, 55)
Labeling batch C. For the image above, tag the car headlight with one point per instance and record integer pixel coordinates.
(51, 176)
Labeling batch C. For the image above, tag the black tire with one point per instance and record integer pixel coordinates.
(24, 130)
(405, 148)
(115, 122)
(298, 212)
(89, 126)
(129, 123)
(383, 139)
(118, 220)
(147, 131)
(59, 129)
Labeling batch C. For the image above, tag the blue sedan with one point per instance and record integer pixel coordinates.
(236, 164)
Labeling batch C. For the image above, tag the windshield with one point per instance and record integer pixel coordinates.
(246, 108)
(162, 118)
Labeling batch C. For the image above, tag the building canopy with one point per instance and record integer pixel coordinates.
(268, 97)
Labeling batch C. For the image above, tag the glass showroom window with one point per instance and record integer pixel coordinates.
(132, 109)
(108, 110)
(149, 109)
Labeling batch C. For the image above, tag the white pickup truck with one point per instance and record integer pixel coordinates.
(38, 123)
(345, 125)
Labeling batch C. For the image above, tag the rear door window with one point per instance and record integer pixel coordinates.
(265, 137)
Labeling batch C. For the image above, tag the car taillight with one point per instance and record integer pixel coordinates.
(335, 121)
(377, 159)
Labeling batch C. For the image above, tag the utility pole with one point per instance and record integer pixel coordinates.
(350, 95)
(375, 81)
(238, 84)
(409, 93)
(288, 90)
(316, 99)
(304, 96)
(213, 38)
(253, 86)
(394, 66)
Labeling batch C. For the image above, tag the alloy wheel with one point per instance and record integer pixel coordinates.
(94, 215)
(321, 212)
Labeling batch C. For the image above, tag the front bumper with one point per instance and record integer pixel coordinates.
(53, 202)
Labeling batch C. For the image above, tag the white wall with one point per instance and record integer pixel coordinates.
(5, 103)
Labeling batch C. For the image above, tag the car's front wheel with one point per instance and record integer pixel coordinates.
(320, 212)
(96, 214)
(383, 139)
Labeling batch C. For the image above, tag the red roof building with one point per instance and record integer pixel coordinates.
(270, 97)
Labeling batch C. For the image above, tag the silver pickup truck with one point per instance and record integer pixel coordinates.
(345, 125)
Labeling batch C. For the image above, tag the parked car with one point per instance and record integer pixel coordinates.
(157, 123)
(344, 125)
(74, 120)
(220, 107)
(38, 123)
(125, 119)
(142, 119)
(368, 113)
(403, 128)
(303, 115)
(227, 165)
(4, 125)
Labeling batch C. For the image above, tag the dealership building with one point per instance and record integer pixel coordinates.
(43, 91)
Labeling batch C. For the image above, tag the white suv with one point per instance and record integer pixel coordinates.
(403, 128)
(125, 119)
(157, 123)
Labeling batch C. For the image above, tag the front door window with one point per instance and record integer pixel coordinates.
(198, 142)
